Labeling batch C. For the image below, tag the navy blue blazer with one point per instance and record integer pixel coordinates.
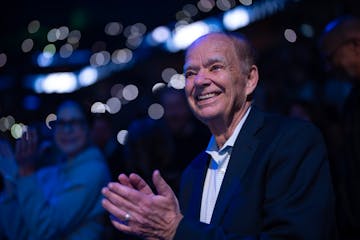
(277, 185)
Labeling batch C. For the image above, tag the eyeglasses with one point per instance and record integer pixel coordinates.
(73, 124)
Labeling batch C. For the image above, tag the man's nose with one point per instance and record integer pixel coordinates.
(202, 78)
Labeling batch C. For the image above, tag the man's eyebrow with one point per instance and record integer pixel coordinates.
(208, 63)
(188, 67)
(213, 60)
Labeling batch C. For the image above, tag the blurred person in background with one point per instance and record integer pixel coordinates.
(104, 136)
(149, 146)
(61, 201)
(189, 135)
(340, 47)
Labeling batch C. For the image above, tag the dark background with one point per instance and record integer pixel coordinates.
(289, 72)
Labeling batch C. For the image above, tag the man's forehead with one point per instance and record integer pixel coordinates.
(211, 52)
(214, 39)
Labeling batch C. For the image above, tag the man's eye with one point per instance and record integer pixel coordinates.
(215, 67)
(189, 74)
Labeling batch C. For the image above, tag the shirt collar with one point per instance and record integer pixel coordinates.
(212, 146)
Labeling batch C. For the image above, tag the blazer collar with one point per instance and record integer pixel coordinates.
(242, 154)
(199, 167)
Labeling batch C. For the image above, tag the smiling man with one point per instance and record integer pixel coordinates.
(262, 176)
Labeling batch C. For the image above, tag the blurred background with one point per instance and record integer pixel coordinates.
(114, 56)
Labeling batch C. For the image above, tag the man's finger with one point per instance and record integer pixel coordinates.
(124, 180)
(128, 196)
(161, 186)
(116, 213)
(121, 227)
(140, 184)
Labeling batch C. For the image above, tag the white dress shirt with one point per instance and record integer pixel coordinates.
(216, 171)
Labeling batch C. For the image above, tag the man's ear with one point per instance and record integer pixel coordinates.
(252, 80)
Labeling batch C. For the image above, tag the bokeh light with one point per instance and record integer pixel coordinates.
(113, 28)
(246, 2)
(100, 59)
(62, 33)
(133, 41)
(114, 105)
(157, 87)
(74, 37)
(225, 5)
(191, 9)
(49, 50)
(6, 123)
(3, 124)
(116, 90)
(206, 5)
(66, 50)
(98, 107)
(307, 30)
(3, 59)
(130, 92)
(17, 130)
(50, 118)
(177, 81)
(34, 26)
(27, 45)
(156, 111)
(290, 35)
(120, 56)
(63, 82)
(167, 73)
(236, 18)
(88, 76)
(138, 29)
(160, 35)
(58, 34)
(183, 16)
(185, 35)
(52, 35)
(121, 136)
(44, 59)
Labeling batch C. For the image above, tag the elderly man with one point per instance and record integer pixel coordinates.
(262, 176)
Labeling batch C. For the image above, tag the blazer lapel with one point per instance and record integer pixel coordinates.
(241, 156)
(199, 169)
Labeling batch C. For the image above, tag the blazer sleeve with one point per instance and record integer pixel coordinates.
(299, 198)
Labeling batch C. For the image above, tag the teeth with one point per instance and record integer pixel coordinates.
(206, 96)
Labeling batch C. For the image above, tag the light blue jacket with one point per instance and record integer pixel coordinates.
(58, 202)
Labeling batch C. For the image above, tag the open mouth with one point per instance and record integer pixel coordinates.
(206, 96)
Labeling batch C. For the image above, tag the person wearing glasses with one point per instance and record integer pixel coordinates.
(340, 48)
(60, 201)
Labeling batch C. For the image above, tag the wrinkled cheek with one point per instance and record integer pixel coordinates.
(192, 105)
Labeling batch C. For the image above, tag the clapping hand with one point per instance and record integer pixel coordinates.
(22, 160)
(26, 150)
(136, 209)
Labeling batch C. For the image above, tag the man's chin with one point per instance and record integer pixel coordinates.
(208, 117)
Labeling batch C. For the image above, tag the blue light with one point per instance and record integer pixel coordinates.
(44, 60)
(31, 102)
